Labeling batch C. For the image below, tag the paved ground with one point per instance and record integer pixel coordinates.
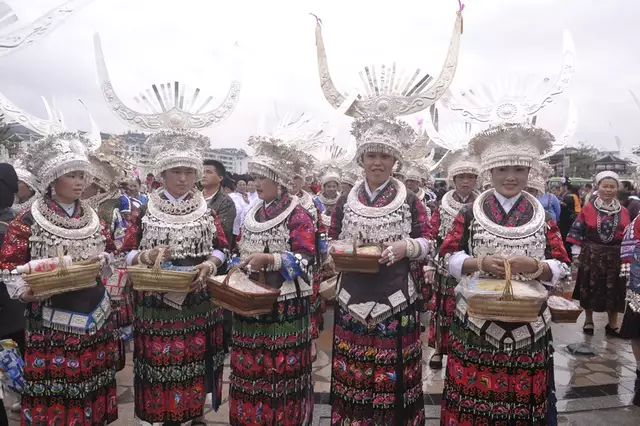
(592, 390)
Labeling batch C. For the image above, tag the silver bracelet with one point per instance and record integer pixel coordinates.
(277, 263)
(410, 247)
(535, 275)
(213, 269)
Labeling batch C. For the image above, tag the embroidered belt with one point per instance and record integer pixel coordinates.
(518, 338)
(77, 323)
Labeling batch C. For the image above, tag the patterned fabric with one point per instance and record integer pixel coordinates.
(585, 227)
(377, 371)
(318, 305)
(178, 357)
(486, 385)
(270, 377)
(178, 354)
(443, 303)
(69, 378)
(599, 286)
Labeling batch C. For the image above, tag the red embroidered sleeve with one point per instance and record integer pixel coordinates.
(452, 241)
(420, 219)
(435, 221)
(579, 227)
(554, 242)
(15, 248)
(110, 246)
(132, 235)
(320, 224)
(222, 241)
(302, 232)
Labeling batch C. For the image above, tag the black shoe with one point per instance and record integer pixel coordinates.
(435, 363)
(587, 328)
(613, 332)
(636, 397)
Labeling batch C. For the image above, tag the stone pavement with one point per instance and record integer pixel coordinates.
(592, 390)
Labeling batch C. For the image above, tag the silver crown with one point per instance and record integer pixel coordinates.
(172, 113)
(376, 127)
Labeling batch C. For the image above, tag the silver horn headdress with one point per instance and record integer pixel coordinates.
(376, 127)
(283, 151)
(31, 32)
(455, 139)
(511, 108)
(174, 116)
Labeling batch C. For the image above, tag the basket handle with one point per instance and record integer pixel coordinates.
(507, 294)
(62, 268)
(156, 265)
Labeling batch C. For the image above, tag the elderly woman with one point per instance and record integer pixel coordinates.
(178, 347)
(499, 372)
(70, 366)
(596, 236)
(271, 354)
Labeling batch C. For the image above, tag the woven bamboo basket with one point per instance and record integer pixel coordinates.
(329, 288)
(564, 316)
(155, 278)
(241, 302)
(507, 307)
(64, 278)
(355, 262)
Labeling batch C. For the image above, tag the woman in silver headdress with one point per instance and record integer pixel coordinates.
(28, 188)
(377, 355)
(501, 372)
(178, 337)
(71, 341)
(271, 355)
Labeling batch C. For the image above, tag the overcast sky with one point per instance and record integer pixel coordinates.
(153, 41)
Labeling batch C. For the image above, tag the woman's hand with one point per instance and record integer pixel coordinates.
(429, 275)
(523, 265)
(256, 261)
(394, 252)
(155, 252)
(493, 265)
(203, 271)
(28, 297)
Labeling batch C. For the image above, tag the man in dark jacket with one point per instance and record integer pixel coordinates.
(12, 320)
(212, 176)
(221, 203)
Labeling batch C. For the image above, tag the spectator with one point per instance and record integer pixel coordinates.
(551, 204)
(11, 311)
(218, 201)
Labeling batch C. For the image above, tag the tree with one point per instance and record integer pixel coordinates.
(581, 162)
(8, 139)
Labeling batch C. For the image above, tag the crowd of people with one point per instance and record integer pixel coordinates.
(70, 199)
